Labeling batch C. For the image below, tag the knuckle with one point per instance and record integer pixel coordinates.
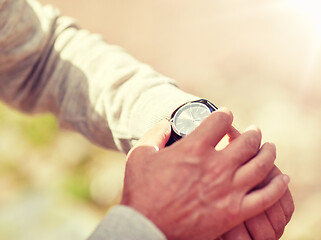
(281, 186)
(196, 148)
(261, 168)
(253, 142)
(279, 228)
(190, 151)
(261, 202)
(218, 166)
(135, 154)
(234, 206)
(132, 153)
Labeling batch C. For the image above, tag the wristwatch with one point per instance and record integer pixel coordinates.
(187, 117)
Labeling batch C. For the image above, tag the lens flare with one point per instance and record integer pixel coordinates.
(311, 11)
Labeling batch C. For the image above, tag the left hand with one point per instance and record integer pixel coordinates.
(269, 224)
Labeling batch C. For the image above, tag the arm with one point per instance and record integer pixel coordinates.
(123, 223)
(48, 64)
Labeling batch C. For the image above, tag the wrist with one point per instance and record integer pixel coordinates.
(188, 117)
(154, 105)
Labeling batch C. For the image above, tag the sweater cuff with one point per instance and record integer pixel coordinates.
(122, 223)
(162, 100)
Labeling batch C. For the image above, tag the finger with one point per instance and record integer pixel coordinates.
(156, 137)
(260, 228)
(276, 214)
(287, 205)
(256, 170)
(233, 134)
(243, 147)
(238, 233)
(259, 200)
(277, 219)
(286, 201)
(212, 129)
(273, 173)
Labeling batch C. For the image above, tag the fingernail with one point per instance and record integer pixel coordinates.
(286, 179)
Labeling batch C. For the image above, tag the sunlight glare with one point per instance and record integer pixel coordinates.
(311, 10)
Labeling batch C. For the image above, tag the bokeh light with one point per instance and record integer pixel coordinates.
(311, 10)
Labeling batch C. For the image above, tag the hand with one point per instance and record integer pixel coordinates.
(267, 225)
(192, 191)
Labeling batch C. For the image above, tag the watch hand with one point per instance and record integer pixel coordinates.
(190, 111)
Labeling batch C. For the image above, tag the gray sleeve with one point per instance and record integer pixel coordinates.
(49, 64)
(124, 223)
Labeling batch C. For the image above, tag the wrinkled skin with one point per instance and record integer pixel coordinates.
(268, 225)
(192, 191)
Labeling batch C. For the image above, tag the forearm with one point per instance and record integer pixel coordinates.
(48, 64)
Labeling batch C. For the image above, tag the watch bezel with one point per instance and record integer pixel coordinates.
(176, 134)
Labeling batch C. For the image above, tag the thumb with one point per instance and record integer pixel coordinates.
(156, 137)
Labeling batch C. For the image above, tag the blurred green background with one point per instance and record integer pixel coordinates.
(54, 184)
(259, 58)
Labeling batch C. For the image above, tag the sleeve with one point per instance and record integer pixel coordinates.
(49, 64)
(124, 223)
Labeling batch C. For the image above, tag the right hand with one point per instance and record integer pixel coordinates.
(192, 191)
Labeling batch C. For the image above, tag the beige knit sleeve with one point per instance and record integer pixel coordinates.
(48, 64)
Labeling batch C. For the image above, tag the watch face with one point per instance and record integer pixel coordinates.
(188, 117)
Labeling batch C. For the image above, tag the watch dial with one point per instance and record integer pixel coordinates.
(188, 117)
